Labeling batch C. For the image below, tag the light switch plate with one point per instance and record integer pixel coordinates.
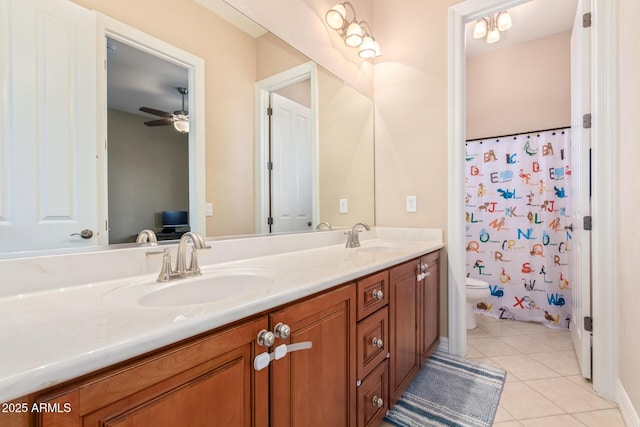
(344, 206)
(209, 209)
(411, 203)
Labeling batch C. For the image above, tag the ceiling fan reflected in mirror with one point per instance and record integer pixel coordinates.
(179, 119)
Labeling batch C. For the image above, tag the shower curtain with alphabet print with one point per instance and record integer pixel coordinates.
(517, 205)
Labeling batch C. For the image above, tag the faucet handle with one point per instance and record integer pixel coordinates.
(165, 271)
(194, 268)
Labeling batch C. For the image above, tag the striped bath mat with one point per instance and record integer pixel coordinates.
(450, 391)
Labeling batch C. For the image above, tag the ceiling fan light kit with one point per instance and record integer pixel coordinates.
(179, 119)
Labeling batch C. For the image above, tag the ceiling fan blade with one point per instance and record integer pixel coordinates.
(160, 122)
(156, 112)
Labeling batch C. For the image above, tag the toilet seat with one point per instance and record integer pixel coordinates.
(472, 283)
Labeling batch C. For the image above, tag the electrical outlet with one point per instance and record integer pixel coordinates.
(209, 209)
(344, 206)
(411, 203)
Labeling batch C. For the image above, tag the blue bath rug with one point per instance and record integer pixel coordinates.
(450, 391)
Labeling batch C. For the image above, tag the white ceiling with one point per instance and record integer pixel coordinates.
(137, 79)
(533, 20)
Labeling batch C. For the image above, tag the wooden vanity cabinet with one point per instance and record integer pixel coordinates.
(414, 319)
(429, 306)
(316, 387)
(403, 322)
(368, 341)
(209, 381)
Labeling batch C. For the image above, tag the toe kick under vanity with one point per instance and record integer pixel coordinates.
(311, 333)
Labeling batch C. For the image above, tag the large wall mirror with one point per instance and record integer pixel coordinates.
(235, 61)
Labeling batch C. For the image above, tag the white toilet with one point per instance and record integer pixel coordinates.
(476, 291)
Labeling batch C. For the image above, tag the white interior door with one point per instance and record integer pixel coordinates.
(580, 261)
(291, 173)
(48, 184)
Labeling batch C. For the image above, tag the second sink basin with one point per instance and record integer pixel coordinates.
(204, 289)
(215, 285)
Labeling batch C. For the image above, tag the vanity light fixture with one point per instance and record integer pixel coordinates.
(354, 33)
(491, 26)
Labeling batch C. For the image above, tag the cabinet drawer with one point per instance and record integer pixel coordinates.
(373, 399)
(372, 293)
(373, 341)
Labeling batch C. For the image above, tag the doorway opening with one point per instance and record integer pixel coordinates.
(287, 196)
(170, 178)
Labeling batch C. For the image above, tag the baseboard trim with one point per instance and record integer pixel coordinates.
(628, 412)
(444, 345)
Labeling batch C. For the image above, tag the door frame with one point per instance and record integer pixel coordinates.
(308, 70)
(109, 27)
(605, 193)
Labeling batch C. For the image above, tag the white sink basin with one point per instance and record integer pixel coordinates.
(212, 286)
(204, 289)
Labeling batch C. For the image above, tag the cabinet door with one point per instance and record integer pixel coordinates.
(429, 310)
(403, 327)
(316, 387)
(208, 382)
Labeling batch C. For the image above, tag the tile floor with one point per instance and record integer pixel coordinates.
(544, 386)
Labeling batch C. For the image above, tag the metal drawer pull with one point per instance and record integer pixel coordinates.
(377, 294)
(377, 401)
(376, 342)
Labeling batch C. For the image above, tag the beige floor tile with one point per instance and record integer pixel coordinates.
(492, 347)
(508, 424)
(384, 424)
(503, 329)
(526, 343)
(555, 421)
(558, 341)
(581, 381)
(502, 415)
(568, 395)
(524, 367)
(604, 418)
(563, 362)
(522, 402)
(478, 332)
(530, 327)
(489, 361)
(473, 352)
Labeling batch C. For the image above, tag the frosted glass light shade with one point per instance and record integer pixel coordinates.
(504, 21)
(480, 29)
(335, 16)
(181, 126)
(367, 48)
(493, 35)
(354, 35)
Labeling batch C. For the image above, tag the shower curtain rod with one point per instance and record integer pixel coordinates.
(517, 134)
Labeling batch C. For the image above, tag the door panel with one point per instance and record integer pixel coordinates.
(291, 181)
(50, 189)
(580, 257)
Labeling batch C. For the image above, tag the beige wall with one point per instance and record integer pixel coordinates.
(156, 159)
(410, 97)
(230, 74)
(522, 88)
(629, 250)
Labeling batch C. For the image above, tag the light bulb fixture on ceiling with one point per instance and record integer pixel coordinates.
(354, 33)
(491, 26)
(181, 125)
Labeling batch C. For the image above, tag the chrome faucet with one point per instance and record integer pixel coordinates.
(181, 270)
(325, 225)
(147, 236)
(353, 240)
